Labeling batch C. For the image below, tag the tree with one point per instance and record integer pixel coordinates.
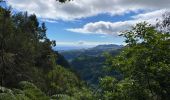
(26, 54)
(145, 61)
(6, 30)
(26, 91)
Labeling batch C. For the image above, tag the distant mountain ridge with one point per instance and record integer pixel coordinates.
(94, 51)
(108, 47)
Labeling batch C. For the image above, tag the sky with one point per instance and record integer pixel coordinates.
(87, 23)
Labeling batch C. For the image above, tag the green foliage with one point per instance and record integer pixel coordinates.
(32, 92)
(64, 84)
(108, 83)
(144, 64)
(26, 55)
(89, 68)
(59, 76)
(62, 61)
(89, 63)
(31, 70)
(62, 97)
(6, 94)
(28, 91)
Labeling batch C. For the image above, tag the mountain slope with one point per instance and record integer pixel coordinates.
(89, 63)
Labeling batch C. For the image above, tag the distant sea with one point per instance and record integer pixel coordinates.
(68, 48)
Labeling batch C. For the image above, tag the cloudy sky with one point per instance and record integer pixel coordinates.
(91, 22)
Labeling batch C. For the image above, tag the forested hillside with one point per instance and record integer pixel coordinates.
(31, 70)
(28, 68)
(89, 63)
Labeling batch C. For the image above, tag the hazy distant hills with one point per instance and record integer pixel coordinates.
(69, 48)
(95, 51)
(107, 47)
(89, 63)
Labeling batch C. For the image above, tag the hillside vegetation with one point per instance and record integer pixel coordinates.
(92, 60)
(31, 70)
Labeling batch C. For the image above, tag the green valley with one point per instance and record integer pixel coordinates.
(32, 69)
(90, 63)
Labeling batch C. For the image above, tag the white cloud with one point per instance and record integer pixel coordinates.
(51, 11)
(49, 20)
(102, 27)
(78, 9)
(114, 28)
(151, 15)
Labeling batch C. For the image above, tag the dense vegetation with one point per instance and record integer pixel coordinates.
(91, 60)
(31, 70)
(144, 63)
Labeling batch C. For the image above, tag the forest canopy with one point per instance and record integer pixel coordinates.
(31, 70)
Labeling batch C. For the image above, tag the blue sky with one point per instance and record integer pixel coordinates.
(57, 31)
(86, 23)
